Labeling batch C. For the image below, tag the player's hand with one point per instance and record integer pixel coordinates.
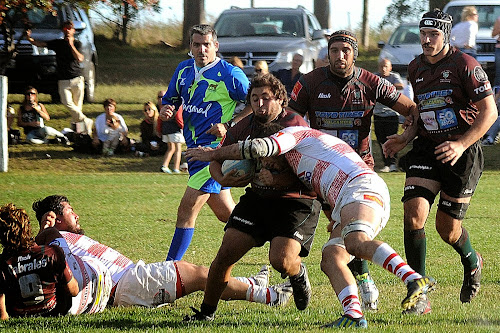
(167, 111)
(219, 130)
(199, 154)
(231, 180)
(394, 143)
(329, 227)
(48, 220)
(265, 177)
(449, 151)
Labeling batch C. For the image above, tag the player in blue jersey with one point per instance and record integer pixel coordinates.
(208, 89)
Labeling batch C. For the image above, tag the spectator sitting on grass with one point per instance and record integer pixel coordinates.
(151, 143)
(102, 132)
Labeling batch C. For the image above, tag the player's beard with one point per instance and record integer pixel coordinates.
(343, 72)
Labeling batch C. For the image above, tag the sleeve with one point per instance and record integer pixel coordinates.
(122, 122)
(173, 94)
(397, 79)
(61, 266)
(475, 80)
(473, 33)
(299, 97)
(240, 85)
(386, 93)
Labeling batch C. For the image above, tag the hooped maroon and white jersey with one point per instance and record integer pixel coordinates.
(445, 93)
(83, 246)
(323, 162)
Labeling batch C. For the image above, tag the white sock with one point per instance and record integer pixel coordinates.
(349, 300)
(386, 257)
(250, 280)
(260, 294)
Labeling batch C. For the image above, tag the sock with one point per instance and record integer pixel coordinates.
(386, 257)
(348, 297)
(467, 254)
(260, 294)
(358, 267)
(415, 249)
(208, 310)
(180, 243)
(247, 280)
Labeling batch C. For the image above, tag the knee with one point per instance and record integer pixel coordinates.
(285, 264)
(331, 257)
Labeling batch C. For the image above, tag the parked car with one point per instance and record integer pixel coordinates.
(36, 66)
(402, 47)
(488, 11)
(270, 34)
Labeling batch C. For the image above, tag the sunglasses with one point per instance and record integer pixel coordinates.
(30, 93)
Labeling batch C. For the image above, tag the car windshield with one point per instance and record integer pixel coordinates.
(38, 18)
(405, 34)
(487, 15)
(245, 24)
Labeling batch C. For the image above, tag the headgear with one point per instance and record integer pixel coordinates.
(347, 37)
(439, 20)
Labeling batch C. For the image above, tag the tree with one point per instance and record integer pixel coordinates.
(403, 11)
(194, 13)
(437, 4)
(124, 13)
(322, 12)
(365, 27)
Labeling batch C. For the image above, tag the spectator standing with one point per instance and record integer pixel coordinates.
(261, 67)
(46, 269)
(454, 113)
(208, 88)
(495, 32)
(105, 127)
(339, 99)
(71, 83)
(385, 119)
(322, 59)
(172, 136)
(31, 118)
(290, 76)
(492, 136)
(463, 34)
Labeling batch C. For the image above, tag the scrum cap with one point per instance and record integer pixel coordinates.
(347, 37)
(439, 20)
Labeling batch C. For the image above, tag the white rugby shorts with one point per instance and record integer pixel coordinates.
(177, 137)
(149, 285)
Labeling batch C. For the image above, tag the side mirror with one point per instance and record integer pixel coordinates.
(318, 34)
(79, 25)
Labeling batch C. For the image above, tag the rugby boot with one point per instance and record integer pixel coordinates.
(284, 293)
(422, 306)
(347, 321)
(262, 277)
(472, 282)
(198, 316)
(416, 288)
(368, 291)
(301, 288)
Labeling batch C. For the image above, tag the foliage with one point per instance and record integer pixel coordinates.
(403, 11)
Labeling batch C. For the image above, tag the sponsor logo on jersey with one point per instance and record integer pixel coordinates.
(212, 87)
(479, 74)
(446, 76)
(358, 98)
(373, 198)
(420, 167)
(420, 79)
(436, 93)
(437, 102)
(482, 88)
(351, 137)
(347, 114)
(334, 123)
(30, 266)
(446, 118)
(305, 176)
(194, 109)
(298, 235)
(182, 81)
(323, 95)
(296, 90)
(239, 219)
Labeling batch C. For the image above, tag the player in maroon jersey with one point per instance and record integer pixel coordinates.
(338, 100)
(34, 280)
(456, 108)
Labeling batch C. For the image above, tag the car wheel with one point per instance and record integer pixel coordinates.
(90, 84)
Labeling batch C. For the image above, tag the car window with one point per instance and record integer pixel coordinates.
(246, 24)
(407, 34)
(487, 15)
(39, 19)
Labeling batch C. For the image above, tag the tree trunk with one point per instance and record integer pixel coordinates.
(365, 29)
(437, 4)
(125, 20)
(4, 153)
(322, 12)
(194, 13)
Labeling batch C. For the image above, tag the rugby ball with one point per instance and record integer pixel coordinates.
(243, 167)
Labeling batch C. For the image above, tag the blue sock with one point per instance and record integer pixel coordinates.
(180, 243)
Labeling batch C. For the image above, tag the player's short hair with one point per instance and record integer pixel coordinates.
(15, 229)
(271, 81)
(50, 203)
(202, 29)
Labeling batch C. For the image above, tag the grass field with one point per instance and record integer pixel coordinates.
(126, 203)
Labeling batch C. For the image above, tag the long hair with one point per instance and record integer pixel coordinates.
(153, 107)
(26, 100)
(15, 229)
